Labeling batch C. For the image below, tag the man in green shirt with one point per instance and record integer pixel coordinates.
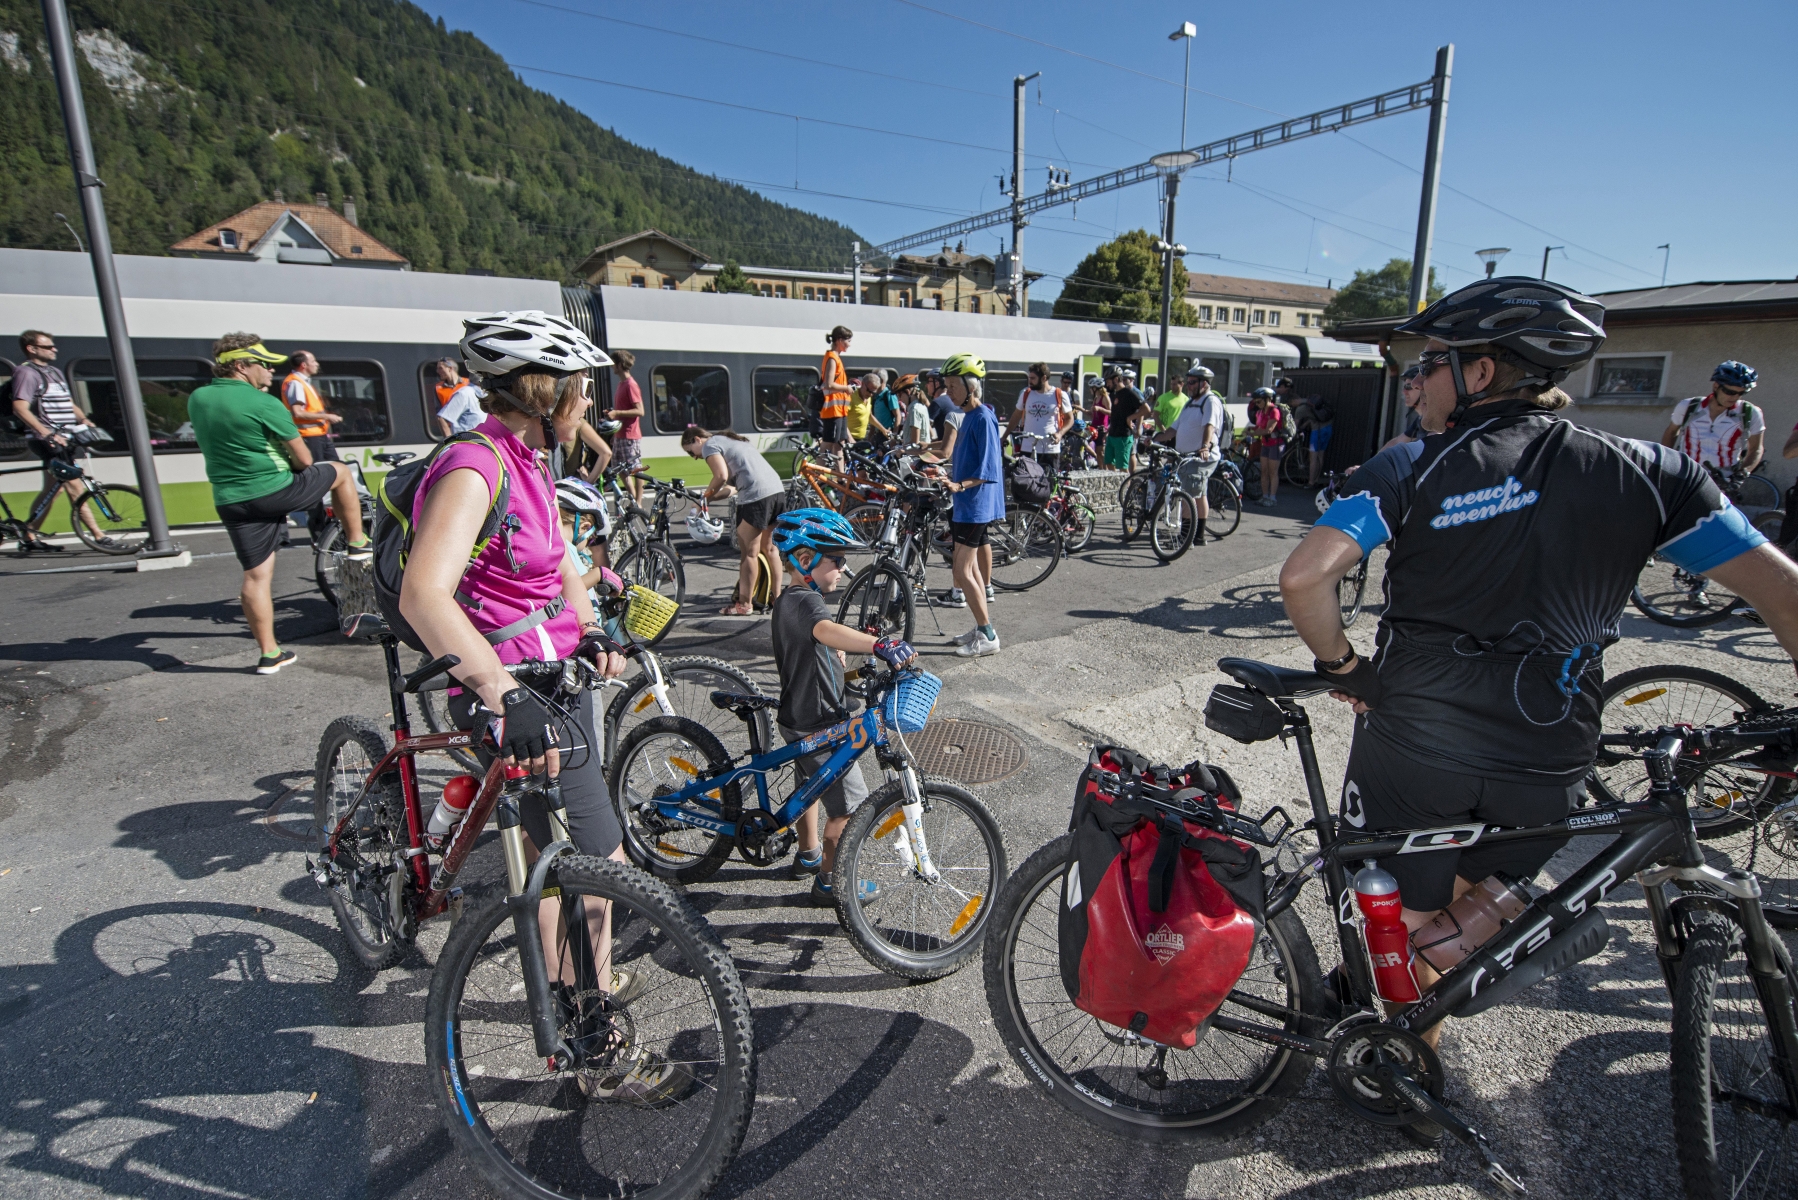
(260, 471)
(1168, 407)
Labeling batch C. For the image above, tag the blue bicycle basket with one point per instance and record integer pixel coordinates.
(908, 705)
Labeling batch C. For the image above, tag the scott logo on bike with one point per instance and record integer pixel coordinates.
(1483, 504)
(1453, 837)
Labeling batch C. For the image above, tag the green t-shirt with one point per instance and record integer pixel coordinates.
(240, 431)
(1167, 409)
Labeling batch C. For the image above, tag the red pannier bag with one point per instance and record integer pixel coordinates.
(1158, 916)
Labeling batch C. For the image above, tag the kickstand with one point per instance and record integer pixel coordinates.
(1431, 1108)
(931, 605)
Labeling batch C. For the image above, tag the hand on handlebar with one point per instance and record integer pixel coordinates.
(895, 652)
(600, 650)
(524, 735)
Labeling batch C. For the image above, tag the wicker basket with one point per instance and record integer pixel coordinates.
(908, 705)
(648, 613)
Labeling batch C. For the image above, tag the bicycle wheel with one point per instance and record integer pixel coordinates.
(1173, 525)
(1225, 507)
(1350, 590)
(327, 557)
(117, 510)
(1295, 464)
(1769, 523)
(689, 682)
(867, 520)
(916, 927)
(657, 1101)
(1666, 594)
(880, 600)
(1648, 697)
(1734, 1082)
(369, 891)
(433, 706)
(658, 568)
(1026, 547)
(1757, 492)
(1222, 1086)
(660, 756)
(1077, 528)
(1133, 505)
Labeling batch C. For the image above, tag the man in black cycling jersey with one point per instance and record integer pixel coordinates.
(1515, 539)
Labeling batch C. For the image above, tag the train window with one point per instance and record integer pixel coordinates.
(1220, 374)
(780, 394)
(12, 445)
(431, 398)
(356, 390)
(1002, 390)
(165, 383)
(690, 395)
(1251, 373)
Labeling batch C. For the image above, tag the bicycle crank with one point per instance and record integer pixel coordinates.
(759, 843)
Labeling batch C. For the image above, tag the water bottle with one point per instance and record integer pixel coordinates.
(458, 794)
(1470, 922)
(1388, 941)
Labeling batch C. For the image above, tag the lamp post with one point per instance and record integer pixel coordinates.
(1491, 257)
(1171, 164)
(1546, 251)
(1186, 33)
(1665, 258)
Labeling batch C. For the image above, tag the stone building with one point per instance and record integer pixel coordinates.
(1227, 302)
(276, 231)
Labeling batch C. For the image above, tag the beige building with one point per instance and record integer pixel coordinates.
(951, 280)
(1226, 302)
(276, 231)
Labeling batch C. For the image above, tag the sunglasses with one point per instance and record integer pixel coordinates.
(52, 346)
(1723, 391)
(841, 560)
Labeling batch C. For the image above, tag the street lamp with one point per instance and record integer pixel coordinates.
(1491, 257)
(1186, 33)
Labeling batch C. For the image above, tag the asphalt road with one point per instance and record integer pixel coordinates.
(181, 1019)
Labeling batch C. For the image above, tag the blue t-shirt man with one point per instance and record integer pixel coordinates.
(978, 455)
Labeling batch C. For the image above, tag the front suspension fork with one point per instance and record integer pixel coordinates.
(914, 851)
(524, 893)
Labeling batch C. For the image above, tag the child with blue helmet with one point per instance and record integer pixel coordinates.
(810, 650)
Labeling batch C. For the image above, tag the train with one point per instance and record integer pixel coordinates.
(716, 360)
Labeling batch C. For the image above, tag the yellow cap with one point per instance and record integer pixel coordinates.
(259, 352)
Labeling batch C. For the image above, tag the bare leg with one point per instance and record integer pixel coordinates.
(749, 540)
(74, 489)
(347, 503)
(258, 606)
(833, 833)
(806, 829)
(967, 577)
(764, 543)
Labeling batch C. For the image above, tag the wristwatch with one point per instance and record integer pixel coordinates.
(1338, 663)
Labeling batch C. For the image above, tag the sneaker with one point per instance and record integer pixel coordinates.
(989, 593)
(268, 664)
(109, 543)
(953, 599)
(980, 646)
(645, 1080)
(359, 552)
(867, 891)
(627, 985)
(963, 639)
(801, 866)
(1267, 502)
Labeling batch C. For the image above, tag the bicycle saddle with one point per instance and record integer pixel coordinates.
(394, 458)
(743, 701)
(1270, 680)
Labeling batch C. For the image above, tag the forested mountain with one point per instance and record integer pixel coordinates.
(202, 108)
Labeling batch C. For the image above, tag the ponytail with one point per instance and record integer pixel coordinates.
(693, 435)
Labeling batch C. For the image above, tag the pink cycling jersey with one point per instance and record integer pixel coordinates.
(505, 595)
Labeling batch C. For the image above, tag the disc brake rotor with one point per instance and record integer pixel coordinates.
(1354, 1071)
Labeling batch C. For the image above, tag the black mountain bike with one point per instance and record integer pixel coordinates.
(1153, 501)
(1735, 1073)
(1686, 600)
(108, 517)
(642, 545)
(904, 532)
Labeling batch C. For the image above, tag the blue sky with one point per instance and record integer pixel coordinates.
(1605, 128)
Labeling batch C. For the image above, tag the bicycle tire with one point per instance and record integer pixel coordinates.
(657, 567)
(1133, 505)
(890, 931)
(364, 911)
(118, 510)
(1674, 694)
(1170, 536)
(1295, 464)
(649, 838)
(327, 557)
(1077, 530)
(433, 707)
(514, 1120)
(1769, 524)
(1224, 507)
(881, 595)
(690, 681)
(867, 520)
(1725, 1149)
(1757, 491)
(1672, 597)
(1023, 979)
(1026, 548)
(1351, 589)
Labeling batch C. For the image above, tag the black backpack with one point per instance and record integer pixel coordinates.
(1029, 482)
(393, 534)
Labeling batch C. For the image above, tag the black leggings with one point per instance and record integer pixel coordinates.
(592, 821)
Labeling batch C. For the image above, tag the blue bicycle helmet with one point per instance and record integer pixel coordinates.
(816, 529)
(1736, 375)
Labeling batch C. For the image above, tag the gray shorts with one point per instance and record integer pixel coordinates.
(1194, 474)
(840, 798)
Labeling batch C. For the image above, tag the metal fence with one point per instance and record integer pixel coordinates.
(1354, 392)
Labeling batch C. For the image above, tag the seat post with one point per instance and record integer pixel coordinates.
(1299, 722)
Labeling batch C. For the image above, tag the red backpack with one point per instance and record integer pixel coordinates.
(1158, 916)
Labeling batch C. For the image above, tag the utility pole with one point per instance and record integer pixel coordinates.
(1019, 306)
(1432, 178)
(855, 270)
(1186, 32)
(106, 282)
(1668, 247)
(1546, 251)
(1168, 251)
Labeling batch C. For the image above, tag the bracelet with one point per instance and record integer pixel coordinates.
(1337, 664)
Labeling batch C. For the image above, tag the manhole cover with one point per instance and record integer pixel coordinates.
(967, 751)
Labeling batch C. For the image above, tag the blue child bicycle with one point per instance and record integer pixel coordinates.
(926, 851)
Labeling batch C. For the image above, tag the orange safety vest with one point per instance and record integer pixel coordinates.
(313, 405)
(836, 404)
(446, 390)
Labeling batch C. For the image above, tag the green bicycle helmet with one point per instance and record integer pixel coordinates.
(965, 364)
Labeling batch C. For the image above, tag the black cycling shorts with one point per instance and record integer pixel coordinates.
(322, 448)
(968, 533)
(255, 526)
(1385, 789)
(592, 821)
(834, 430)
(760, 514)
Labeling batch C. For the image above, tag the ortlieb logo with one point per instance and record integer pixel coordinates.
(1164, 943)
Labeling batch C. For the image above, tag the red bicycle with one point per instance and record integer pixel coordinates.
(585, 1023)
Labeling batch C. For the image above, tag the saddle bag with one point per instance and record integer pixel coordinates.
(1243, 714)
(1158, 915)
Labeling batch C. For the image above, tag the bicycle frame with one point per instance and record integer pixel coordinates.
(44, 501)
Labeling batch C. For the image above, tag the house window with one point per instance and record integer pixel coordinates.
(809, 295)
(683, 395)
(836, 295)
(938, 297)
(228, 239)
(1304, 320)
(355, 249)
(637, 281)
(1273, 317)
(1639, 376)
(166, 385)
(768, 290)
(780, 291)
(668, 285)
(1204, 312)
(1239, 314)
(1260, 316)
(779, 396)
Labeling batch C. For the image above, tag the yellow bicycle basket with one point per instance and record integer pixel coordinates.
(648, 613)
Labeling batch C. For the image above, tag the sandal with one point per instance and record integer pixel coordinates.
(737, 610)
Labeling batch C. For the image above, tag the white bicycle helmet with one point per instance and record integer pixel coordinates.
(702, 526)
(503, 342)
(584, 501)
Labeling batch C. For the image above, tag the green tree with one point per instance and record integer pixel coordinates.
(1382, 293)
(452, 159)
(732, 279)
(1121, 281)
